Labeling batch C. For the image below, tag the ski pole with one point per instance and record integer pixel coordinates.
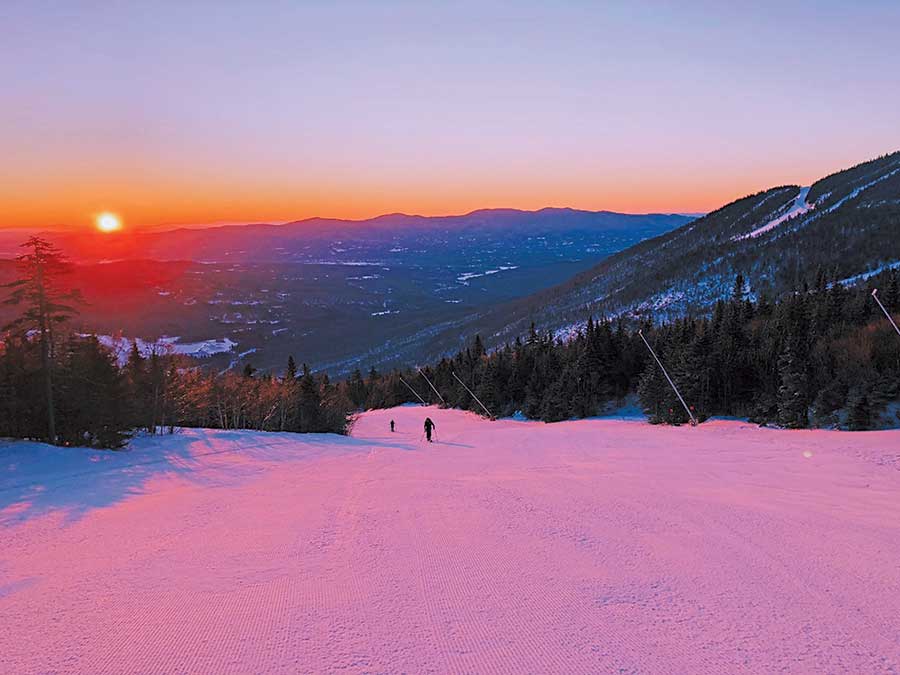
(884, 309)
(674, 388)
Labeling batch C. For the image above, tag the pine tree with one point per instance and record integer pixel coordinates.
(288, 397)
(47, 304)
(738, 292)
(291, 373)
(308, 402)
(92, 396)
(136, 384)
(489, 389)
(892, 291)
(555, 407)
(691, 374)
(654, 394)
(859, 411)
(792, 403)
(357, 390)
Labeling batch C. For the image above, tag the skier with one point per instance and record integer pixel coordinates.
(392, 426)
(429, 425)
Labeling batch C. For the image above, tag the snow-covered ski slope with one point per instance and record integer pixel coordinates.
(599, 546)
(798, 208)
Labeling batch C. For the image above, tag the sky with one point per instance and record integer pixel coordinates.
(201, 112)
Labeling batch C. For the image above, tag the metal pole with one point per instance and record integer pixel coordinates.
(884, 309)
(490, 414)
(413, 391)
(432, 386)
(672, 384)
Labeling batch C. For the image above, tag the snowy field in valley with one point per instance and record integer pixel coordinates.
(582, 547)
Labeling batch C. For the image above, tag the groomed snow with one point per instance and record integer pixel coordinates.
(582, 547)
(799, 207)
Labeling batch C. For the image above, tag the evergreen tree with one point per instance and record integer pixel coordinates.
(308, 402)
(738, 292)
(92, 396)
(892, 291)
(47, 304)
(291, 373)
(792, 405)
(859, 411)
(136, 385)
(357, 390)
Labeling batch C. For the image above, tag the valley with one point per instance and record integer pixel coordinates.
(337, 296)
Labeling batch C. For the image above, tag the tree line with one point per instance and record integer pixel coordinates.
(69, 389)
(823, 356)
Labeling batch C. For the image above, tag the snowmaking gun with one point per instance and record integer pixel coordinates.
(671, 383)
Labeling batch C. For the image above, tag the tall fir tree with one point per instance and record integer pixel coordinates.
(47, 305)
(792, 402)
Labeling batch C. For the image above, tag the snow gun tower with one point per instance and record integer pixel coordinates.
(669, 379)
(472, 394)
(415, 393)
(884, 309)
(433, 388)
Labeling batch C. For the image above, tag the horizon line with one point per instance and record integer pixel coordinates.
(219, 224)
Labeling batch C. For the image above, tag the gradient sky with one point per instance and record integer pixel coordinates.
(193, 112)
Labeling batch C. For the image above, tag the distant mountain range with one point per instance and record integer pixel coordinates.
(440, 238)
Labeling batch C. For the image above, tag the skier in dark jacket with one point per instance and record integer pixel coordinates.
(429, 425)
(392, 426)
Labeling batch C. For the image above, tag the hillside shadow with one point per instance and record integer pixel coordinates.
(37, 479)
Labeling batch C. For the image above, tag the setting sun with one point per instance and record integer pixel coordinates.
(108, 222)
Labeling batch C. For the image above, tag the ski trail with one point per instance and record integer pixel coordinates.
(504, 547)
(799, 207)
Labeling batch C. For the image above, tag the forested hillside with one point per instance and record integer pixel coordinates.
(825, 356)
(845, 226)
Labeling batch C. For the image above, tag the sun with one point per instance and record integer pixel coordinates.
(108, 222)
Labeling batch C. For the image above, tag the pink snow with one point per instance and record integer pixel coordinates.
(581, 547)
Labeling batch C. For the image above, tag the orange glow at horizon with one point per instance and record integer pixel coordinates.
(159, 198)
(74, 206)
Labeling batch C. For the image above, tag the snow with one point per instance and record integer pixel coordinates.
(466, 276)
(865, 276)
(120, 346)
(799, 207)
(856, 192)
(593, 546)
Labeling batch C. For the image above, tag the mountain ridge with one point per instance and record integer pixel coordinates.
(852, 226)
(285, 242)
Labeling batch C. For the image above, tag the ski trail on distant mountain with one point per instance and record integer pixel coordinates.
(799, 207)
